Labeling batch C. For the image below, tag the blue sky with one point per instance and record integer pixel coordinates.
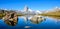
(33, 4)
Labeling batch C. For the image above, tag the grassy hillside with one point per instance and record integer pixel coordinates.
(57, 14)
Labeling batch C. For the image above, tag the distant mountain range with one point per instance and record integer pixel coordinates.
(27, 10)
(3, 11)
(55, 12)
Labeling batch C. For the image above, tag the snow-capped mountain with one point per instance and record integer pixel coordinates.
(55, 9)
(38, 12)
(29, 11)
(26, 10)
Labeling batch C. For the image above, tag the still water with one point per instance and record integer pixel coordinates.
(49, 23)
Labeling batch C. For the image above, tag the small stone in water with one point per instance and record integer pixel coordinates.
(27, 26)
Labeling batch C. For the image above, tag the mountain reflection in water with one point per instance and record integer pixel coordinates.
(56, 18)
(23, 21)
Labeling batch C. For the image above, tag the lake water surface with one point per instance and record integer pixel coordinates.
(49, 23)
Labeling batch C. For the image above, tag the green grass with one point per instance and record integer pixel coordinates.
(57, 14)
(2, 15)
(20, 15)
(52, 14)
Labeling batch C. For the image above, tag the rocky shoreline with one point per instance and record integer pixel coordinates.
(10, 18)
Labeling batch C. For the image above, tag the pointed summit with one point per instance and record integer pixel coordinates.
(26, 8)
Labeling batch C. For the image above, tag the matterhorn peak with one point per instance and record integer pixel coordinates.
(25, 8)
